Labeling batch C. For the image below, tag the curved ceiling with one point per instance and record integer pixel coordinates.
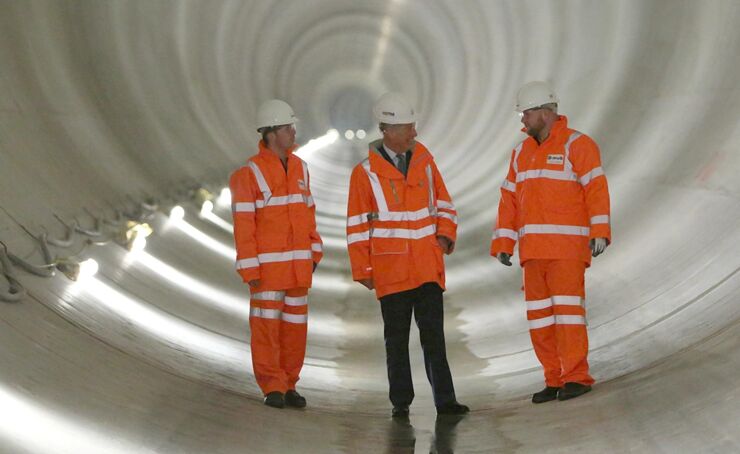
(106, 105)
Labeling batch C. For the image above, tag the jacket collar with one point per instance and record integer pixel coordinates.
(560, 125)
(269, 154)
(378, 164)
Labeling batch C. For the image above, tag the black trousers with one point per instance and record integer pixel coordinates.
(425, 303)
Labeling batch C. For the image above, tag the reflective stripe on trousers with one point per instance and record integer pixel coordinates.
(278, 324)
(556, 300)
(268, 298)
(554, 294)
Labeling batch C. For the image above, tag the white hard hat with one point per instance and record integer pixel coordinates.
(535, 94)
(275, 113)
(393, 109)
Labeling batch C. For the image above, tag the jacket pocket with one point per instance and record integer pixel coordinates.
(389, 259)
(389, 246)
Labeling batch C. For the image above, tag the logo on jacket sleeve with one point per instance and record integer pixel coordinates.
(556, 159)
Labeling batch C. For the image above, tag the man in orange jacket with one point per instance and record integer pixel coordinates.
(400, 220)
(555, 202)
(277, 248)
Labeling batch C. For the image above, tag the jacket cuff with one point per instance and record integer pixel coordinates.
(601, 231)
(505, 245)
(317, 256)
(249, 274)
(450, 233)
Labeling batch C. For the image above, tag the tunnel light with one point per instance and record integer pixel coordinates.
(224, 198)
(236, 305)
(206, 212)
(139, 244)
(77, 271)
(162, 325)
(313, 145)
(200, 289)
(323, 324)
(206, 208)
(89, 268)
(177, 213)
(134, 238)
(361, 133)
(349, 134)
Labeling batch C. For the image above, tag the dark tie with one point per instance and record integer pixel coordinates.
(401, 163)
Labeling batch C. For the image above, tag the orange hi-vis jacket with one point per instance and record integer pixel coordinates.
(393, 223)
(554, 199)
(274, 221)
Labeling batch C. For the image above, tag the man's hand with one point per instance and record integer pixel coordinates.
(504, 258)
(314, 266)
(446, 244)
(254, 283)
(598, 245)
(367, 283)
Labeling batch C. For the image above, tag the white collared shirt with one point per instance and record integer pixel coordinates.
(394, 156)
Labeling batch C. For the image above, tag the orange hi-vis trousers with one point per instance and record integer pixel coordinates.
(278, 321)
(555, 293)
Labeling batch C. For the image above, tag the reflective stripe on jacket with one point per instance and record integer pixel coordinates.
(393, 223)
(554, 198)
(274, 221)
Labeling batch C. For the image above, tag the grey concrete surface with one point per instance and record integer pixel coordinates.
(104, 105)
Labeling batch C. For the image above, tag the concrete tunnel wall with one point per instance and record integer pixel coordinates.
(106, 104)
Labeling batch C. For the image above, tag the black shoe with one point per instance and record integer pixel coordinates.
(293, 399)
(546, 395)
(452, 408)
(572, 389)
(400, 411)
(275, 399)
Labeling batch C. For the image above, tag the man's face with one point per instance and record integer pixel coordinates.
(533, 120)
(400, 137)
(285, 137)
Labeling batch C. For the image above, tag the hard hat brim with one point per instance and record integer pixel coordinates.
(295, 120)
